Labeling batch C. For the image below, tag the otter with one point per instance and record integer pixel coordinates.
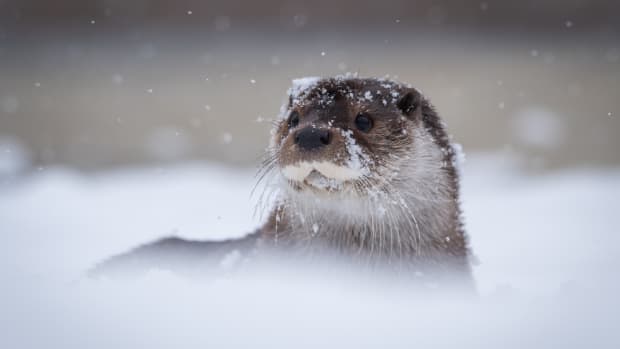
(359, 168)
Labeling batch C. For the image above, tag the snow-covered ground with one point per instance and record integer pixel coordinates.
(547, 273)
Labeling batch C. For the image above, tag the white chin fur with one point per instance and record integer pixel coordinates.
(300, 171)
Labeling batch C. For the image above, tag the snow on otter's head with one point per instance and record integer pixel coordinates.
(355, 136)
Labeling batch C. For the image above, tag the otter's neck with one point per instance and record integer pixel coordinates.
(415, 217)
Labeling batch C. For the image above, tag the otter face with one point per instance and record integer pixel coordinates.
(344, 134)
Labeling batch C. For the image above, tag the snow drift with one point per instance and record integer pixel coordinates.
(546, 274)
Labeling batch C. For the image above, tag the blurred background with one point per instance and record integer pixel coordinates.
(95, 85)
(123, 121)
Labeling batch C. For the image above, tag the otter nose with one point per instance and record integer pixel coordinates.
(311, 138)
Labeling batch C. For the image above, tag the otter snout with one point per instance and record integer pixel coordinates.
(311, 138)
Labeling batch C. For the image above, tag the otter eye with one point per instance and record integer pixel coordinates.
(363, 122)
(293, 119)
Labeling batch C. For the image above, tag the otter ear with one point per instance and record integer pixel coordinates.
(409, 102)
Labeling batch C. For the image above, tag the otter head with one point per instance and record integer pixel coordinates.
(362, 160)
(343, 136)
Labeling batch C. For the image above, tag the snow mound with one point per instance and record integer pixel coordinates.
(546, 277)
